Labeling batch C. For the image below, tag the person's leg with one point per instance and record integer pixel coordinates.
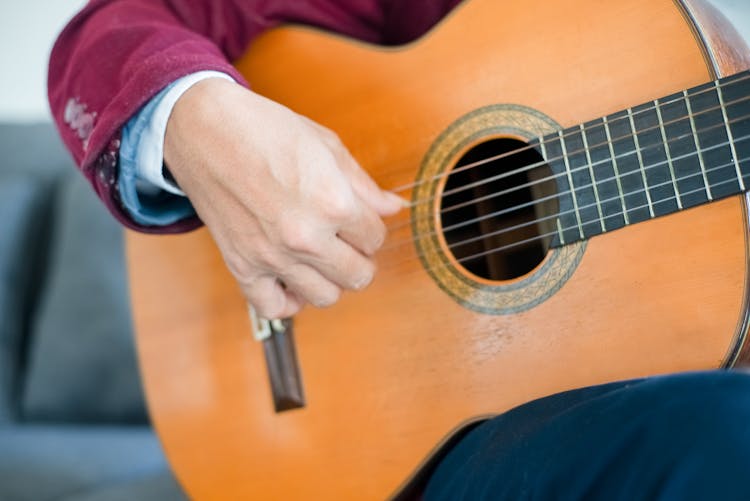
(685, 436)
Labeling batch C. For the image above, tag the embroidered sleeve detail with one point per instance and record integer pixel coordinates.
(105, 174)
(81, 121)
(106, 164)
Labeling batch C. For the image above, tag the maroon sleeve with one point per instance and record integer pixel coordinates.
(117, 54)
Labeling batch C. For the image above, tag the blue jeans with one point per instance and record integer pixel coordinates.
(683, 436)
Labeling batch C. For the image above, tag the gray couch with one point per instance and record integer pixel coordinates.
(73, 424)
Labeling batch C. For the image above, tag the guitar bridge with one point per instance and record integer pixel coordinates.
(280, 352)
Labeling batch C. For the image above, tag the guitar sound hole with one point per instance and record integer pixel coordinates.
(499, 225)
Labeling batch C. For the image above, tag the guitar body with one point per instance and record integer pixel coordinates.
(390, 372)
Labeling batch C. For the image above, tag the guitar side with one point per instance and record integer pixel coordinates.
(389, 372)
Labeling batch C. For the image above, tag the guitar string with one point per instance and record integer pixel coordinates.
(528, 240)
(615, 198)
(543, 162)
(570, 192)
(657, 105)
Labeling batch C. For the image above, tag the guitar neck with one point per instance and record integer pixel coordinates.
(651, 160)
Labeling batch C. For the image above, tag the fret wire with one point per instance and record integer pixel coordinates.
(678, 198)
(590, 163)
(570, 182)
(617, 171)
(729, 134)
(697, 144)
(559, 229)
(640, 162)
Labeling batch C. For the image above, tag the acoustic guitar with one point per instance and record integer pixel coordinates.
(576, 172)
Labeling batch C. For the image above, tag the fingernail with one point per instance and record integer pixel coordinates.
(398, 200)
(361, 283)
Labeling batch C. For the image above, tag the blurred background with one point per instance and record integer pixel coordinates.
(27, 32)
(73, 421)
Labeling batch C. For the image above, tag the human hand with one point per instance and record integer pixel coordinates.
(294, 216)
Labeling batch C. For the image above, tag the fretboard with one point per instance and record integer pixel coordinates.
(651, 160)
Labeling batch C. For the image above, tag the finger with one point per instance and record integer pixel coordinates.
(294, 303)
(267, 296)
(344, 266)
(311, 286)
(366, 233)
(383, 202)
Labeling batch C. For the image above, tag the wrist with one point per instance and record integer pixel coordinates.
(195, 114)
